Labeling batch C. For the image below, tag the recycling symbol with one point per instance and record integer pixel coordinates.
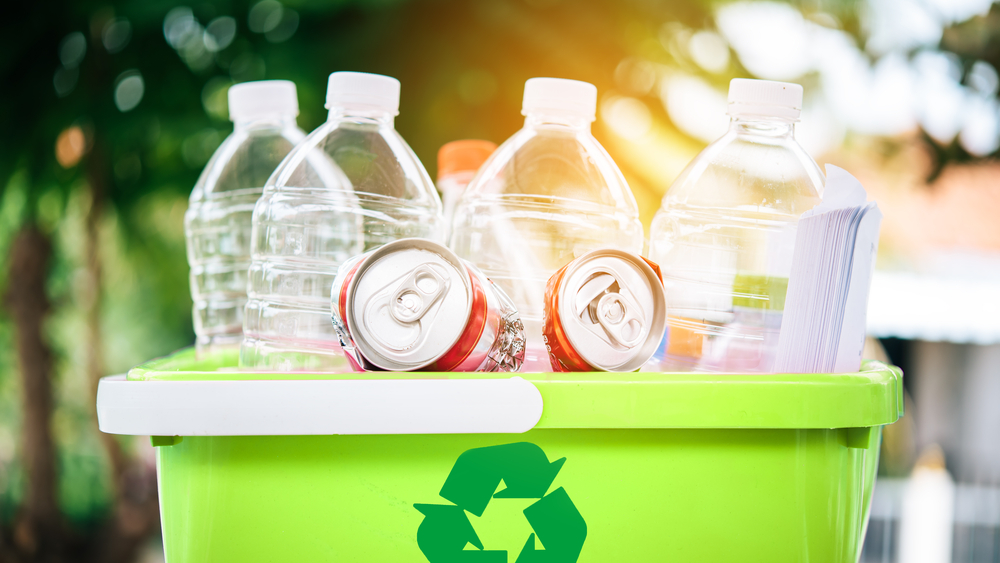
(524, 468)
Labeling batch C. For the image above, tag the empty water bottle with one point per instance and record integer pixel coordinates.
(217, 222)
(726, 231)
(549, 194)
(352, 185)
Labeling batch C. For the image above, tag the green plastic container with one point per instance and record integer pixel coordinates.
(619, 467)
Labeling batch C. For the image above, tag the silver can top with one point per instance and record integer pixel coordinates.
(408, 304)
(612, 309)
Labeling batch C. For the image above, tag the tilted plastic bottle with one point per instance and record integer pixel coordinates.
(352, 185)
(725, 233)
(549, 194)
(458, 162)
(218, 220)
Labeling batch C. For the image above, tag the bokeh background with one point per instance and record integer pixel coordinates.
(110, 110)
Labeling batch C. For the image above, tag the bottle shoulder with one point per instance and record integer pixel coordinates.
(245, 160)
(363, 158)
(747, 172)
(557, 164)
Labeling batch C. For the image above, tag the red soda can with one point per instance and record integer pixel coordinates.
(414, 305)
(604, 311)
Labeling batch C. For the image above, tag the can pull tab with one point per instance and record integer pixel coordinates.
(621, 319)
(414, 297)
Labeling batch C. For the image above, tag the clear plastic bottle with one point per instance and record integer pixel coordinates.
(549, 194)
(458, 162)
(726, 231)
(352, 185)
(217, 222)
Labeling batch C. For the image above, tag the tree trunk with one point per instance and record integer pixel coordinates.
(91, 302)
(38, 530)
(40, 534)
(136, 511)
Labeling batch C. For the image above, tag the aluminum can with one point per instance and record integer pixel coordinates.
(414, 305)
(604, 311)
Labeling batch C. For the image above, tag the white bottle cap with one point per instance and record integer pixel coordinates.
(765, 98)
(558, 95)
(360, 90)
(249, 100)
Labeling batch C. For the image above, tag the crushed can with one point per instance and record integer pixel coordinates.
(413, 305)
(604, 311)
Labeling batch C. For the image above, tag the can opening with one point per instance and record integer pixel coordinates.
(600, 300)
(621, 319)
(415, 296)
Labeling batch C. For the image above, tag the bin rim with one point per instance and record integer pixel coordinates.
(872, 396)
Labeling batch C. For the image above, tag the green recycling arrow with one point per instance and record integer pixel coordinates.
(477, 474)
(524, 468)
(558, 525)
(445, 531)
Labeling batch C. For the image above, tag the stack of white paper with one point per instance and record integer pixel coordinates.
(823, 326)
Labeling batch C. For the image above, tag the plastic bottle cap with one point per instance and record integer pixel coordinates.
(463, 156)
(570, 97)
(360, 90)
(765, 98)
(265, 97)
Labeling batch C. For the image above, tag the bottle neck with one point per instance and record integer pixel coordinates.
(274, 121)
(362, 115)
(557, 120)
(762, 126)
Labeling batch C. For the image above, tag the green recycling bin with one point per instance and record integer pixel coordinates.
(539, 467)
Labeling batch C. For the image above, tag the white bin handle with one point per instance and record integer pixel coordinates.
(311, 407)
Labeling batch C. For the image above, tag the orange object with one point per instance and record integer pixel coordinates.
(466, 155)
(686, 337)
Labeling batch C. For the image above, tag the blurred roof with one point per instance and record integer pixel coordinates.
(955, 212)
(939, 255)
(935, 308)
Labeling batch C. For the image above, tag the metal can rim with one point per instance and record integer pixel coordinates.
(351, 286)
(659, 302)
